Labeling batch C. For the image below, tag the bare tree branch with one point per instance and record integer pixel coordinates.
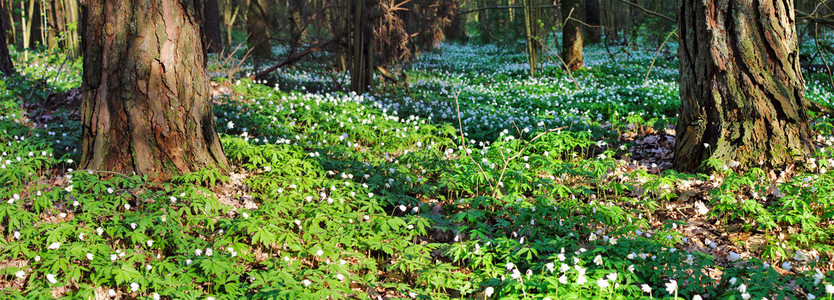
(651, 12)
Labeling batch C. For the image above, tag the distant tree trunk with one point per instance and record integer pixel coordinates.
(214, 41)
(145, 106)
(296, 19)
(531, 26)
(6, 65)
(361, 70)
(457, 29)
(741, 85)
(593, 33)
(230, 10)
(572, 34)
(258, 29)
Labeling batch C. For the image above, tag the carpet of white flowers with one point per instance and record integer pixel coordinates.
(476, 182)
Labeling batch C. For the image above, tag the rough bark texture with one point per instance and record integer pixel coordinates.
(6, 65)
(741, 87)
(214, 40)
(572, 34)
(145, 106)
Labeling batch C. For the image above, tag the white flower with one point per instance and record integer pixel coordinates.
(17, 235)
(550, 267)
(340, 277)
(697, 297)
(114, 257)
(818, 276)
(133, 225)
(209, 252)
(319, 253)
(581, 280)
(745, 296)
(509, 266)
(646, 288)
(564, 268)
(598, 260)
(602, 283)
(403, 208)
(829, 289)
(111, 293)
(20, 274)
(516, 274)
(734, 256)
(230, 125)
(54, 246)
(109, 190)
(787, 266)
(198, 252)
(811, 296)
(51, 278)
(672, 286)
(306, 282)
(742, 288)
(134, 287)
(733, 281)
(245, 215)
(90, 256)
(631, 268)
(563, 279)
(99, 231)
(489, 291)
(612, 276)
(156, 296)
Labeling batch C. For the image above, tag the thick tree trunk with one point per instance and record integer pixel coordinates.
(214, 40)
(593, 33)
(572, 34)
(6, 65)
(741, 86)
(145, 106)
(258, 29)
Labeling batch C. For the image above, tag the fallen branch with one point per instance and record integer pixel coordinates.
(819, 108)
(293, 59)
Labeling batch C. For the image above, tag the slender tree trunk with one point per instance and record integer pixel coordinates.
(572, 34)
(230, 9)
(296, 19)
(531, 28)
(6, 65)
(214, 40)
(145, 106)
(741, 86)
(258, 29)
(362, 50)
(593, 33)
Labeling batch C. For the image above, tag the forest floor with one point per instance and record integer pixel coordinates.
(477, 181)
